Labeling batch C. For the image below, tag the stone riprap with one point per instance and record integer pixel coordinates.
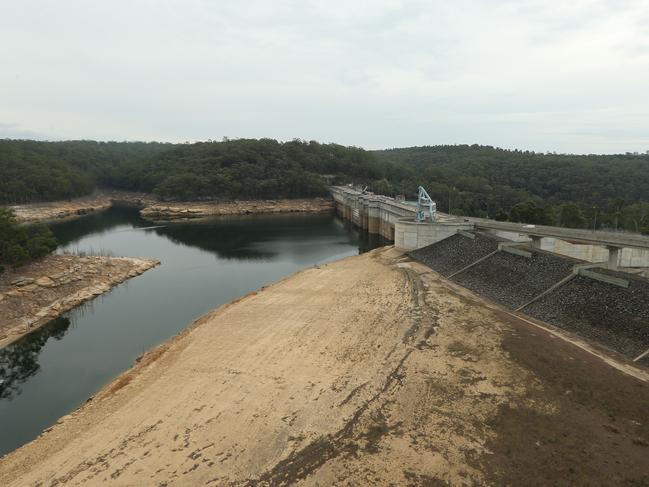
(513, 280)
(614, 316)
(456, 252)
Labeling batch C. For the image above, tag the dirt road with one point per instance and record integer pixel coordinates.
(367, 371)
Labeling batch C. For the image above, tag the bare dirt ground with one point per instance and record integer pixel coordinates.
(372, 370)
(176, 211)
(39, 292)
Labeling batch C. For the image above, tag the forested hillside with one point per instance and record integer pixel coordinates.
(251, 169)
(245, 168)
(579, 191)
(45, 171)
(555, 189)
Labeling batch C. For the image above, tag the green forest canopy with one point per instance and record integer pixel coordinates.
(589, 191)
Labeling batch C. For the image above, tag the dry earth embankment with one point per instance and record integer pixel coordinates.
(372, 370)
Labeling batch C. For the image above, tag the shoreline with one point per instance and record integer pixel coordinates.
(195, 210)
(41, 291)
(155, 210)
(56, 211)
(370, 363)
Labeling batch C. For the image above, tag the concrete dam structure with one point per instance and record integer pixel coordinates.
(568, 278)
(392, 219)
(395, 220)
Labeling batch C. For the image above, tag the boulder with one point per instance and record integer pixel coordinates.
(45, 281)
(22, 281)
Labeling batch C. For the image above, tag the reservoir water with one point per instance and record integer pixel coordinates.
(52, 371)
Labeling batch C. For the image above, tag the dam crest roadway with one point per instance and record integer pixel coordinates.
(395, 220)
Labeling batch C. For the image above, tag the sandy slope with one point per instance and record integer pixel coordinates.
(361, 372)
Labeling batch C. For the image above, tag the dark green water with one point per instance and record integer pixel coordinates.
(204, 264)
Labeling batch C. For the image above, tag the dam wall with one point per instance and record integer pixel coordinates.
(392, 219)
(372, 213)
(395, 221)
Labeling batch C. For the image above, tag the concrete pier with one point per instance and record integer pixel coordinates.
(613, 257)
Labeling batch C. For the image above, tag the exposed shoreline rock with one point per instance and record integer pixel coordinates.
(153, 209)
(78, 207)
(191, 210)
(44, 290)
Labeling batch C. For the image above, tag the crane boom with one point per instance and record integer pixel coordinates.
(424, 202)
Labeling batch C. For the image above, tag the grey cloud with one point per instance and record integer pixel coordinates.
(374, 73)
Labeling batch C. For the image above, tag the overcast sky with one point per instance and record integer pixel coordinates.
(565, 76)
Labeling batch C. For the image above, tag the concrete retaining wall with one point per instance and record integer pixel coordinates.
(410, 235)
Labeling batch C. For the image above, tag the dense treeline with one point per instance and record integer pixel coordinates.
(20, 244)
(45, 171)
(244, 168)
(591, 191)
(249, 169)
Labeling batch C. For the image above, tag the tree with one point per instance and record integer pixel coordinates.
(570, 215)
(530, 212)
(20, 245)
(636, 216)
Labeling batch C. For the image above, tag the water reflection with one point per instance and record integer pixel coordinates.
(19, 361)
(97, 223)
(247, 237)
